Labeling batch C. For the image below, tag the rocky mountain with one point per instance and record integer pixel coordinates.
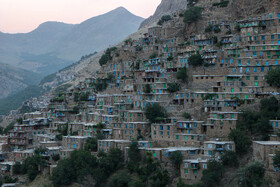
(53, 45)
(13, 79)
(166, 7)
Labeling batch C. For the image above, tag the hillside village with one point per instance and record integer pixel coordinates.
(185, 86)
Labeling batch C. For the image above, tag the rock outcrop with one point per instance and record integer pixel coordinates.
(166, 7)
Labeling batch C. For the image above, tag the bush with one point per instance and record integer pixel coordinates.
(196, 60)
(17, 168)
(192, 14)
(164, 19)
(273, 77)
(182, 74)
(229, 158)
(154, 112)
(173, 87)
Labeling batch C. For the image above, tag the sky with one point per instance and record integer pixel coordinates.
(21, 16)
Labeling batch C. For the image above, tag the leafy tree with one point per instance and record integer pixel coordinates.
(209, 28)
(107, 56)
(192, 14)
(134, 153)
(147, 88)
(186, 115)
(251, 175)
(64, 173)
(276, 159)
(59, 137)
(17, 168)
(241, 141)
(56, 157)
(155, 111)
(180, 183)
(122, 179)
(229, 158)
(196, 60)
(176, 158)
(84, 96)
(91, 144)
(213, 174)
(173, 87)
(182, 74)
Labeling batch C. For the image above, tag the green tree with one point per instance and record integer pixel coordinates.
(147, 88)
(64, 173)
(251, 175)
(242, 142)
(182, 74)
(276, 159)
(134, 153)
(213, 174)
(229, 158)
(17, 168)
(176, 158)
(273, 77)
(154, 112)
(196, 60)
(192, 14)
(91, 144)
(121, 179)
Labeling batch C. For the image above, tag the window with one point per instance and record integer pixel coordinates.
(186, 165)
(186, 171)
(204, 166)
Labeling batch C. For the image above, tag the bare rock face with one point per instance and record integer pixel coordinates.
(166, 7)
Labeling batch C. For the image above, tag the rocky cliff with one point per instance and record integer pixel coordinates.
(166, 7)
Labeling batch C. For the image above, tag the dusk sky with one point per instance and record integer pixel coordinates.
(20, 16)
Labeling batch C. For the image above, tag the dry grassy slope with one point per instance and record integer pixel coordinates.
(90, 65)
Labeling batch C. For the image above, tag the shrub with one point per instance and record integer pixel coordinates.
(196, 60)
(273, 77)
(164, 19)
(192, 14)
